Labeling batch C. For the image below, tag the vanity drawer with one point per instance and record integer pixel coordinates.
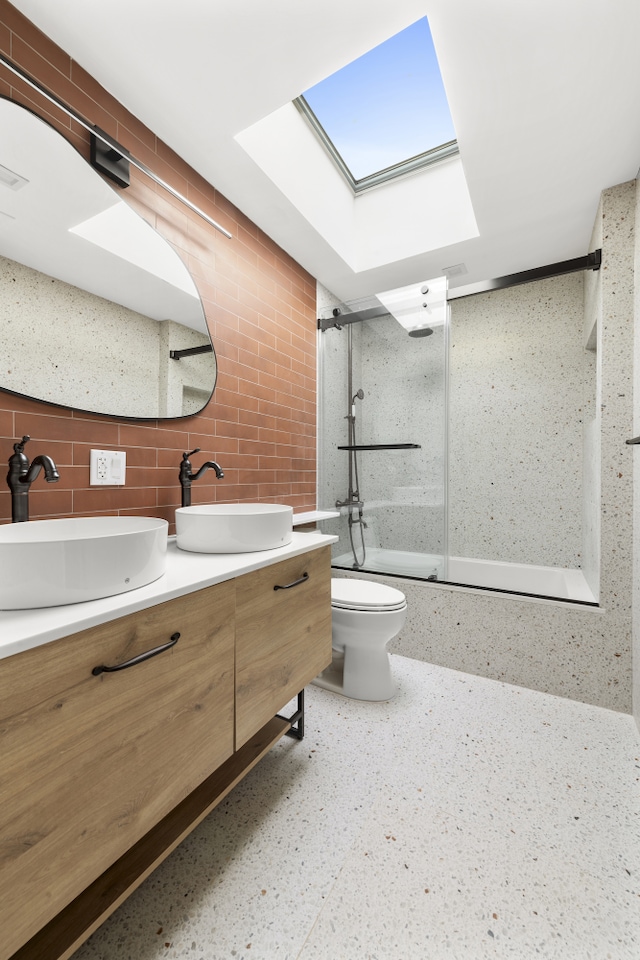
(283, 636)
(91, 763)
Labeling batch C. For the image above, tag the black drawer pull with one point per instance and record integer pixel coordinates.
(139, 659)
(287, 586)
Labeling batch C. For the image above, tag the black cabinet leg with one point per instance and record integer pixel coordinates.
(296, 719)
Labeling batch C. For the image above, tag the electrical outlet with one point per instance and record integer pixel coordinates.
(107, 467)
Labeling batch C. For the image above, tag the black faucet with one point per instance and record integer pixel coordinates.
(187, 477)
(22, 474)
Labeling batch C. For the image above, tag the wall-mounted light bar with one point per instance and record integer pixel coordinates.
(109, 142)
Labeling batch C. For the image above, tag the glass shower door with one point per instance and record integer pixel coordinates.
(383, 375)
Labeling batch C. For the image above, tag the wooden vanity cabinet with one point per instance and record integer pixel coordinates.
(90, 763)
(283, 635)
(101, 776)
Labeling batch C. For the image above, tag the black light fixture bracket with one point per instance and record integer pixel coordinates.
(109, 161)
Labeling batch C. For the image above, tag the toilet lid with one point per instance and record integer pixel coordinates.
(365, 595)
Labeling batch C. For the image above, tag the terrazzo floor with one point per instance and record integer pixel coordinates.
(466, 818)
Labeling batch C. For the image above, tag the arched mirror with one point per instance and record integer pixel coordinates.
(97, 311)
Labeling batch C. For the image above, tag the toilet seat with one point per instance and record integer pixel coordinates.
(366, 595)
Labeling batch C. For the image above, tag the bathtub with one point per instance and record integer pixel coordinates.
(510, 578)
(560, 582)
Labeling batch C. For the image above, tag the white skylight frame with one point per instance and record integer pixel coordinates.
(404, 167)
(349, 224)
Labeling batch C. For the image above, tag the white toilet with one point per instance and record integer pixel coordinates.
(365, 616)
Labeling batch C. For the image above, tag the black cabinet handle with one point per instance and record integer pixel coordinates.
(139, 659)
(287, 586)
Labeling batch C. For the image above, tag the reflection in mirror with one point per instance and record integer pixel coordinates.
(92, 299)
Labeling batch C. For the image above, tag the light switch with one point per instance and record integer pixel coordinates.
(108, 467)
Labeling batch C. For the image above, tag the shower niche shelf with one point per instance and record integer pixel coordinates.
(382, 446)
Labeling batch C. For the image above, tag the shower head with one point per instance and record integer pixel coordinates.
(359, 394)
(421, 332)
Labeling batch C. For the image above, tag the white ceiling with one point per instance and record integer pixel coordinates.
(545, 98)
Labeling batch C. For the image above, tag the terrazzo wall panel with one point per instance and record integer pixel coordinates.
(184, 385)
(580, 653)
(516, 418)
(404, 382)
(636, 477)
(591, 507)
(260, 307)
(592, 406)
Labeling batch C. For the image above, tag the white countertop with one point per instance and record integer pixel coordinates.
(186, 572)
(314, 516)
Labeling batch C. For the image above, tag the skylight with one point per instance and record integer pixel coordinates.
(385, 112)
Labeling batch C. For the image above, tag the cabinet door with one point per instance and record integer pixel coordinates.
(90, 763)
(283, 636)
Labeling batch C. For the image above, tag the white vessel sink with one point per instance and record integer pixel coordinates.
(233, 527)
(47, 563)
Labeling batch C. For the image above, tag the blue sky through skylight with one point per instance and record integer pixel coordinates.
(388, 105)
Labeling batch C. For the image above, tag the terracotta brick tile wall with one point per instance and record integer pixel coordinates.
(261, 310)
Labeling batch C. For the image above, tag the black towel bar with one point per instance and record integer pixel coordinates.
(382, 446)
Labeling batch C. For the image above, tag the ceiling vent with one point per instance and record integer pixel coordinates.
(457, 270)
(10, 179)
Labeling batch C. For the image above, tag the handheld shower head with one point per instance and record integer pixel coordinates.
(358, 395)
